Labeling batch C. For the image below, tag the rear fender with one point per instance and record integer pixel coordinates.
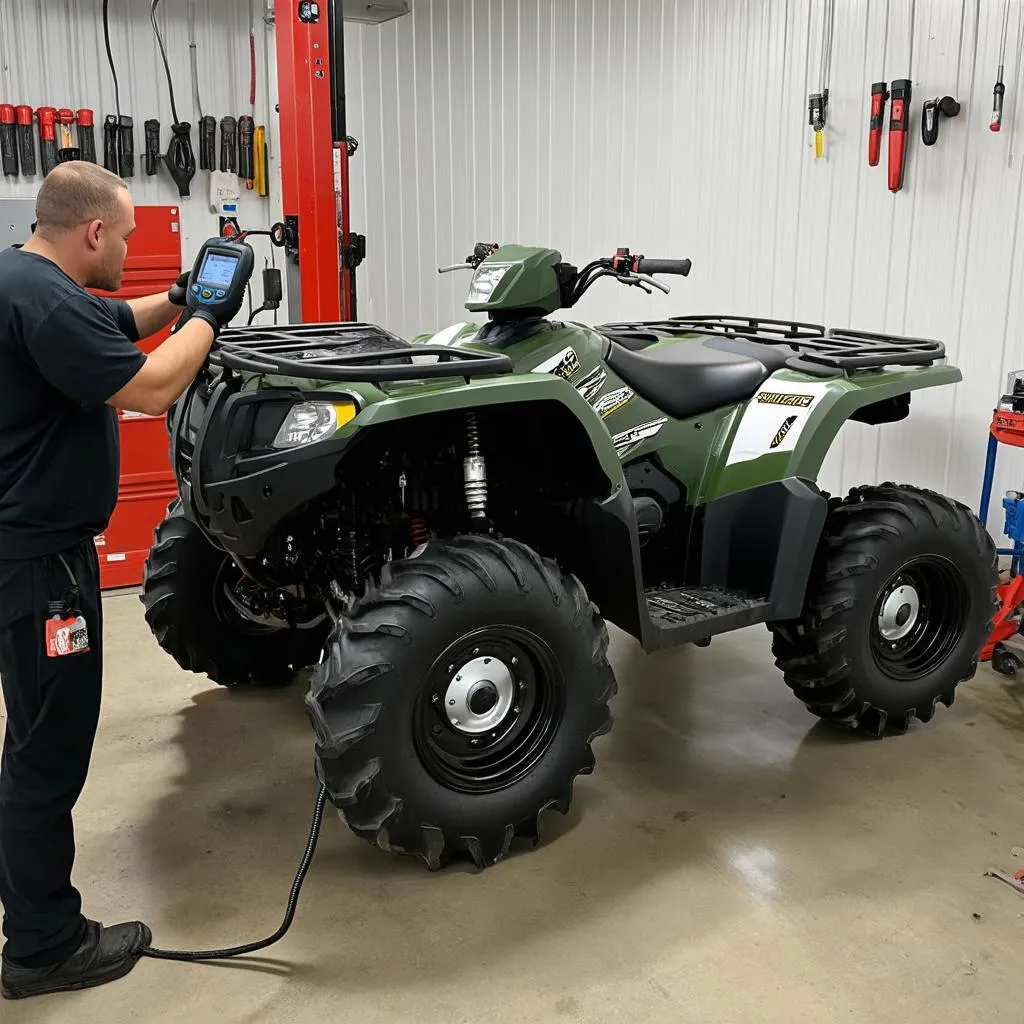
(787, 428)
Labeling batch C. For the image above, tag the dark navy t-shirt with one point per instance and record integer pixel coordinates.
(63, 353)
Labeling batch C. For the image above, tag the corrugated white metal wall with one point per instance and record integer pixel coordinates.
(678, 127)
(52, 53)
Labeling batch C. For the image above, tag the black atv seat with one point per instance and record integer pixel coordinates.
(689, 377)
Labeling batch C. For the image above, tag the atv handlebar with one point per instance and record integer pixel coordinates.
(680, 267)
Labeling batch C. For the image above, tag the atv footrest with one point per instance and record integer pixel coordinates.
(685, 614)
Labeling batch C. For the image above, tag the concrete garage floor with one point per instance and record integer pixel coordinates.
(729, 861)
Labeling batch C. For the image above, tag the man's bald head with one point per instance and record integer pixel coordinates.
(75, 193)
(84, 215)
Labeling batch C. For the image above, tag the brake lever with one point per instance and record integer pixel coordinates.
(642, 280)
(455, 266)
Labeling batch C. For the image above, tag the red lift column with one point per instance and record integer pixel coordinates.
(314, 158)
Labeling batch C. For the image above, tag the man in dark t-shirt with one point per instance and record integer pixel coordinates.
(67, 362)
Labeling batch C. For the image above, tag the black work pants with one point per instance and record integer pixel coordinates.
(53, 708)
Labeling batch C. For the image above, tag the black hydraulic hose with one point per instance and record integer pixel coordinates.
(192, 956)
(163, 54)
(110, 58)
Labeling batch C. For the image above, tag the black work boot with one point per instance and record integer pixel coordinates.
(105, 954)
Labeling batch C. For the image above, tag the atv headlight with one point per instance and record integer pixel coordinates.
(486, 279)
(312, 421)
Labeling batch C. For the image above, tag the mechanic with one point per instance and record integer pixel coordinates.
(68, 360)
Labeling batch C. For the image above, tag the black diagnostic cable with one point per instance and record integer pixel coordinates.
(192, 956)
(180, 158)
(110, 58)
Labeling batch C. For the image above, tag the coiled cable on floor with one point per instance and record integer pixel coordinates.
(192, 956)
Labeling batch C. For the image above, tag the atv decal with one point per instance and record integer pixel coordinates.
(566, 364)
(783, 398)
(626, 441)
(590, 385)
(613, 401)
(759, 432)
(781, 433)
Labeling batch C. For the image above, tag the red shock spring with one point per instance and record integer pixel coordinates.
(417, 531)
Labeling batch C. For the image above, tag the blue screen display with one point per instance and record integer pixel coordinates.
(218, 269)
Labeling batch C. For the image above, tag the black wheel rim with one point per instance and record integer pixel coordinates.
(919, 617)
(497, 757)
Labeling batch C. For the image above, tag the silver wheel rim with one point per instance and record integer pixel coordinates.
(479, 695)
(899, 612)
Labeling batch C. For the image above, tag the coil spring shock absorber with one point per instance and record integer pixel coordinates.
(474, 471)
(417, 531)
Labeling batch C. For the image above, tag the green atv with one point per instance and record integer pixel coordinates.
(436, 525)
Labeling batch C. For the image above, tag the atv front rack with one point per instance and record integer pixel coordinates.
(817, 350)
(346, 352)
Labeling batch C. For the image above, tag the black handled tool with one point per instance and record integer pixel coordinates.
(110, 142)
(86, 134)
(930, 117)
(180, 157)
(26, 144)
(8, 141)
(126, 147)
(152, 156)
(246, 128)
(47, 138)
(228, 152)
(208, 143)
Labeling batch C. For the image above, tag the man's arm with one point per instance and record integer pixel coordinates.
(168, 371)
(153, 312)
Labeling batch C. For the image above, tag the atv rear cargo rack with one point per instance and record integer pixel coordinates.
(346, 352)
(817, 350)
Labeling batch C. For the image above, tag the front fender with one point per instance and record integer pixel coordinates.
(787, 428)
(513, 388)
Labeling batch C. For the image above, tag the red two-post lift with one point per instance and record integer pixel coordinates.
(322, 252)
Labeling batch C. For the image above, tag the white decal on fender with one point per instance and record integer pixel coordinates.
(613, 401)
(774, 419)
(590, 385)
(566, 364)
(627, 440)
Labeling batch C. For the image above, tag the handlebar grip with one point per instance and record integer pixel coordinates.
(680, 267)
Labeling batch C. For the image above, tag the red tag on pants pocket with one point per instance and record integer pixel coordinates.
(66, 636)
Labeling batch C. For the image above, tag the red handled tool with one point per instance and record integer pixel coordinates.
(67, 150)
(47, 138)
(87, 134)
(879, 94)
(26, 145)
(8, 141)
(899, 118)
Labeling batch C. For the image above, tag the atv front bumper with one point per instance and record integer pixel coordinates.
(233, 484)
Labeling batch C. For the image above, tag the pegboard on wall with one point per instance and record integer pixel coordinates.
(53, 54)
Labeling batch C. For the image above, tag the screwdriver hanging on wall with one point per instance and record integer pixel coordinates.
(999, 90)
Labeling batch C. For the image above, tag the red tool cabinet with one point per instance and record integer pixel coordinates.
(147, 482)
